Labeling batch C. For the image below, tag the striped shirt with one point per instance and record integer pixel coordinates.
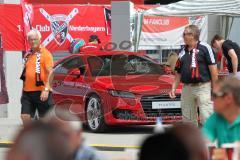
(193, 65)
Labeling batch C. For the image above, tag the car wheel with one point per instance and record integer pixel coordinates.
(95, 117)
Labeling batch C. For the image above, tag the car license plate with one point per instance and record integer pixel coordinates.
(166, 105)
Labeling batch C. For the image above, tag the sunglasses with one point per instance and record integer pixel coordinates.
(218, 94)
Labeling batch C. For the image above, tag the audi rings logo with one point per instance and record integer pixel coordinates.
(59, 26)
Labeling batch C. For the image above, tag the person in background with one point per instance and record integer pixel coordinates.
(196, 68)
(164, 146)
(94, 44)
(231, 52)
(71, 125)
(39, 141)
(192, 137)
(224, 125)
(36, 94)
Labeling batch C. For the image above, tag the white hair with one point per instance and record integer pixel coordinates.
(34, 32)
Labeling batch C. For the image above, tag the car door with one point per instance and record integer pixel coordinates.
(69, 87)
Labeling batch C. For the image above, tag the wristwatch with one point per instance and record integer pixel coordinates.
(46, 89)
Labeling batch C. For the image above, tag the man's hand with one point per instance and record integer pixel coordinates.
(44, 95)
(175, 85)
(172, 93)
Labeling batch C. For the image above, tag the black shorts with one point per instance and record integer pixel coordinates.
(31, 102)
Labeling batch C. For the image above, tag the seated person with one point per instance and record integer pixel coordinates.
(223, 126)
(192, 138)
(164, 146)
(38, 140)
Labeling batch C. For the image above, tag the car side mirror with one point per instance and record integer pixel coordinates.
(75, 72)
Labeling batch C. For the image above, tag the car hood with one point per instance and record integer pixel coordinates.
(138, 84)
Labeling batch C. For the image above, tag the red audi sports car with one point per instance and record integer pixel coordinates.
(115, 88)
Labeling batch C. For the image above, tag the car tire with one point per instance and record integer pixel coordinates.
(94, 115)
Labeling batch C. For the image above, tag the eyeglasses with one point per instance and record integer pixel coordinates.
(218, 94)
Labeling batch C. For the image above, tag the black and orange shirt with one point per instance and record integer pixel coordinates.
(194, 65)
(46, 62)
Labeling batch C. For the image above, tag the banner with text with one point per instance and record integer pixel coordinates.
(164, 30)
(58, 24)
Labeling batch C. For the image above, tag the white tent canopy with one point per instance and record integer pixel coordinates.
(197, 7)
(189, 8)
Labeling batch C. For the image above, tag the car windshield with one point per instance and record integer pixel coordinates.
(122, 65)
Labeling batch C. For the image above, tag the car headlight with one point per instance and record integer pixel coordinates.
(122, 94)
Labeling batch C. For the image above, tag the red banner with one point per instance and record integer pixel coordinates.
(58, 24)
(164, 30)
(79, 1)
(155, 24)
(11, 22)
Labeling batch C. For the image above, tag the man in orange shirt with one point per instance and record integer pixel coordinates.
(36, 93)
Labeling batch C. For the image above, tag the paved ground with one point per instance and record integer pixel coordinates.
(128, 135)
(117, 136)
(108, 155)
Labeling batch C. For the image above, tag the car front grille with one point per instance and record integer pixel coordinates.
(146, 102)
(124, 114)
